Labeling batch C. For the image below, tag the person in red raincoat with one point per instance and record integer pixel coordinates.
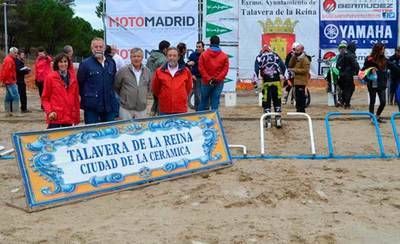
(60, 96)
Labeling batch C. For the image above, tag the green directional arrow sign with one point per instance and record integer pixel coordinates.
(215, 7)
(227, 80)
(215, 30)
(230, 56)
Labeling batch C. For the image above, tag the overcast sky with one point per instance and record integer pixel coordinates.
(86, 10)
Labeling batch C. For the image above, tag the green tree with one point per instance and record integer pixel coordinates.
(99, 8)
(51, 24)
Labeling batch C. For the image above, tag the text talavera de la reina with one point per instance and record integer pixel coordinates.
(136, 151)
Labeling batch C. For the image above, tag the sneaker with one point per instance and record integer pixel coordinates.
(380, 120)
(278, 122)
(26, 111)
(8, 114)
(268, 123)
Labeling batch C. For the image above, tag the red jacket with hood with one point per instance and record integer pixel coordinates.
(62, 100)
(213, 63)
(8, 73)
(172, 92)
(42, 67)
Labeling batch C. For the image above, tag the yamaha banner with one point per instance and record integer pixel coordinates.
(362, 22)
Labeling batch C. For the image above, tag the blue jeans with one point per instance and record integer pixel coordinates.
(210, 94)
(11, 100)
(93, 117)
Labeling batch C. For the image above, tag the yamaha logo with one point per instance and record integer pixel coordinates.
(331, 31)
(329, 5)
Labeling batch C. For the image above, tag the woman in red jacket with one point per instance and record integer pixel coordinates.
(60, 96)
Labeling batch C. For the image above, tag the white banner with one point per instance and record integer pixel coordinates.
(230, 81)
(232, 52)
(226, 29)
(145, 23)
(221, 9)
(278, 23)
(379, 10)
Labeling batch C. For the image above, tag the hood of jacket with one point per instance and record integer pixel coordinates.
(352, 47)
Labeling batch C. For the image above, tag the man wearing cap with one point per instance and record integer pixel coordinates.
(348, 67)
(271, 68)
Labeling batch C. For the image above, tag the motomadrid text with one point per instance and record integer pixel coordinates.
(152, 21)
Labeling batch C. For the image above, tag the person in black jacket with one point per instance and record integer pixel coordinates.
(348, 67)
(395, 77)
(22, 70)
(377, 80)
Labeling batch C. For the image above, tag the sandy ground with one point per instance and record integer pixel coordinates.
(254, 201)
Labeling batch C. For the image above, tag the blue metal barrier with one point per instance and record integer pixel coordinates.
(378, 135)
(6, 157)
(394, 129)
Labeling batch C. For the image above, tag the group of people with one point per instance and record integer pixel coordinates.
(274, 72)
(294, 73)
(381, 72)
(106, 89)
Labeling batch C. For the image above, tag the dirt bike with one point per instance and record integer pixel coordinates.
(332, 77)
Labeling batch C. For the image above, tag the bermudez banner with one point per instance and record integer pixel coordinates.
(63, 165)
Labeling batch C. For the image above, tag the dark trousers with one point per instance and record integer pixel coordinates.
(300, 92)
(154, 107)
(197, 92)
(372, 98)
(347, 93)
(93, 117)
(271, 94)
(392, 91)
(39, 85)
(53, 126)
(22, 95)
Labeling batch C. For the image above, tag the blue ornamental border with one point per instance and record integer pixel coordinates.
(42, 159)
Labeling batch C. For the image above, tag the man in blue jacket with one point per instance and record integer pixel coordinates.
(96, 78)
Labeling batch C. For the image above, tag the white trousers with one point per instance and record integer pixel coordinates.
(125, 114)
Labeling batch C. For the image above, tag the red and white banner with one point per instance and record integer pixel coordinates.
(145, 23)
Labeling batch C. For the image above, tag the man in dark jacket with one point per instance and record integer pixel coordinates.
(96, 78)
(157, 59)
(193, 64)
(22, 70)
(348, 67)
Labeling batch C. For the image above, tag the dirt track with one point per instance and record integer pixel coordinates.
(254, 201)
